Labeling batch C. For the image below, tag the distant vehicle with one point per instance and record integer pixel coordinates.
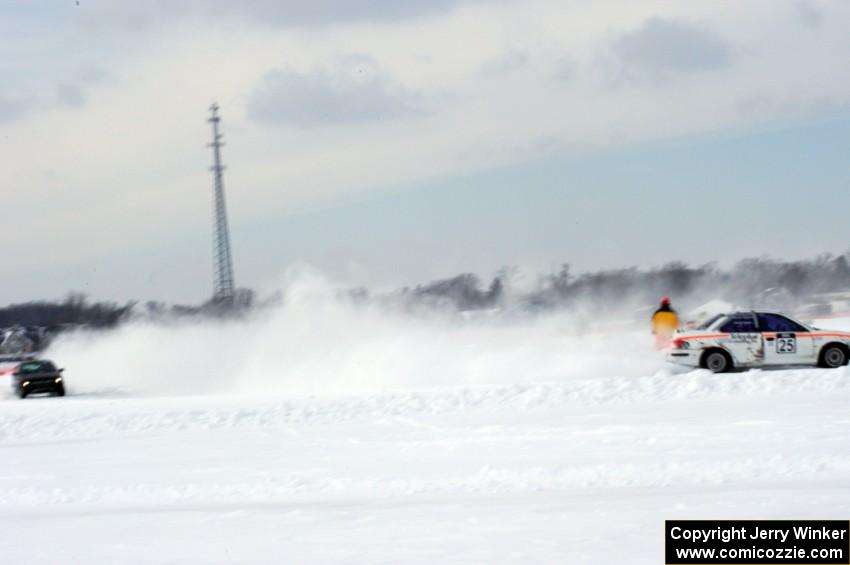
(37, 376)
(9, 362)
(744, 340)
(15, 340)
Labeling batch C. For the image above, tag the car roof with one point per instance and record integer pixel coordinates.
(748, 313)
(751, 312)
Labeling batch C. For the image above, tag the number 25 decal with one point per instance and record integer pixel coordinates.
(786, 343)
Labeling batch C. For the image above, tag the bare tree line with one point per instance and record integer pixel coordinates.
(754, 282)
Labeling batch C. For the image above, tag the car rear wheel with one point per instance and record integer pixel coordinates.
(717, 362)
(833, 356)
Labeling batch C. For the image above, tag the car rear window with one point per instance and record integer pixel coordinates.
(740, 325)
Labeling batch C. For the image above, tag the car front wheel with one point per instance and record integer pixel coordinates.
(832, 357)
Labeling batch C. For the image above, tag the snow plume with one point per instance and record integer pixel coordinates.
(320, 342)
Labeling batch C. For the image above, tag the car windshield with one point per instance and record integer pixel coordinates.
(36, 367)
(710, 322)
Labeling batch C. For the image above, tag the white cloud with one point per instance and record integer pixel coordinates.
(808, 13)
(507, 62)
(13, 108)
(663, 47)
(70, 95)
(274, 13)
(354, 90)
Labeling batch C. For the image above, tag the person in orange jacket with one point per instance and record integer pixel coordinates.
(664, 322)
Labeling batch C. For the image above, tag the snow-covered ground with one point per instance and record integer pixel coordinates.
(407, 441)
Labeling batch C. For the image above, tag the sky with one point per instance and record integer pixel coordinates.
(390, 143)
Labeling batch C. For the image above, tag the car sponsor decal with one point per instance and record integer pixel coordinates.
(786, 343)
(707, 336)
(744, 338)
(765, 334)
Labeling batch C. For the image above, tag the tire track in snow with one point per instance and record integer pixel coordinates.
(41, 421)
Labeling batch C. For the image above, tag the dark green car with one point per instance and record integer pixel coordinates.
(38, 376)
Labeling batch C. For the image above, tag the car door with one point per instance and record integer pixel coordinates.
(785, 341)
(744, 341)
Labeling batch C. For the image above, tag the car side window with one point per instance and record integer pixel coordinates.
(777, 323)
(739, 326)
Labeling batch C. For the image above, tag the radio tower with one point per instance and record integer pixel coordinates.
(223, 274)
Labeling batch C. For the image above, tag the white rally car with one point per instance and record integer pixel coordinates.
(758, 339)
